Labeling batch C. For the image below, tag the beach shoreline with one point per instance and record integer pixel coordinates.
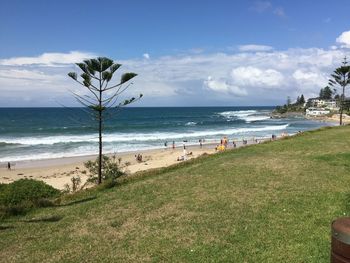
(58, 172)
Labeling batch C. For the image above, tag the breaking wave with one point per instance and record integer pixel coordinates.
(135, 137)
(246, 115)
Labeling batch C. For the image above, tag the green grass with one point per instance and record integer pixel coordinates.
(272, 202)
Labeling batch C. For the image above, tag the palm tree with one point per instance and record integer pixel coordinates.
(341, 78)
(97, 74)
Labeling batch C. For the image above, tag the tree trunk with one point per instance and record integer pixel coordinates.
(100, 147)
(341, 115)
(341, 107)
(100, 135)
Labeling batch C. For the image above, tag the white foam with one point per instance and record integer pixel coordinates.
(79, 151)
(136, 137)
(238, 113)
(246, 115)
(256, 118)
(191, 123)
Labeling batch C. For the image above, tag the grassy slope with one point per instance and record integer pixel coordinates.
(272, 202)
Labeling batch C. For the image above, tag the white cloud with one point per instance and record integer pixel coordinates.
(28, 75)
(224, 87)
(256, 77)
(279, 11)
(48, 59)
(307, 78)
(177, 79)
(196, 50)
(266, 6)
(253, 48)
(327, 20)
(261, 6)
(146, 56)
(344, 39)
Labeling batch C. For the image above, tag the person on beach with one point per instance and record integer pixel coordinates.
(166, 144)
(234, 144)
(8, 166)
(200, 143)
(184, 151)
(180, 158)
(173, 145)
(138, 158)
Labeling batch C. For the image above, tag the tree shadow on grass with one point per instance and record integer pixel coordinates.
(6, 227)
(79, 201)
(54, 218)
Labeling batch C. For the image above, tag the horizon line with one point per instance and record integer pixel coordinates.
(55, 107)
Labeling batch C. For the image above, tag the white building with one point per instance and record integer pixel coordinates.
(316, 112)
(328, 104)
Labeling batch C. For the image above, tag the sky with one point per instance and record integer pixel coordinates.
(186, 53)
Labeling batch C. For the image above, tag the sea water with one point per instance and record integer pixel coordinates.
(42, 133)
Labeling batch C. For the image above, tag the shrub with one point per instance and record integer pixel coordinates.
(2, 187)
(26, 192)
(75, 186)
(110, 170)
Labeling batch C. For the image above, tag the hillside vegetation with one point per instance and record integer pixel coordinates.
(272, 202)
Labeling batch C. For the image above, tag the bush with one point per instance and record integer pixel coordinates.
(26, 192)
(110, 170)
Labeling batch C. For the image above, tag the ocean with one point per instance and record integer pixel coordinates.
(43, 133)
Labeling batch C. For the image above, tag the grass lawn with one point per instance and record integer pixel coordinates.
(272, 202)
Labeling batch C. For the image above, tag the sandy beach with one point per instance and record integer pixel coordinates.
(58, 172)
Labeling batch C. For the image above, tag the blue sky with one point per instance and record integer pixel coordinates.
(225, 52)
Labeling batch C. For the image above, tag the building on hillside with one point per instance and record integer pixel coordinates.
(321, 103)
(312, 111)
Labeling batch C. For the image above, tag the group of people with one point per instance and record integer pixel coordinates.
(138, 157)
(201, 141)
(223, 144)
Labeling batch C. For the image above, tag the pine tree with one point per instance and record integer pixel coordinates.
(341, 79)
(327, 93)
(321, 95)
(97, 74)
